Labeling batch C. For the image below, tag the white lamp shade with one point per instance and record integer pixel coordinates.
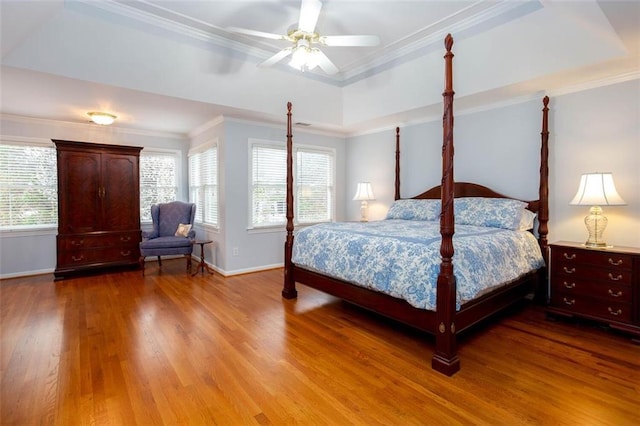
(301, 55)
(364, 192)
(597, 189)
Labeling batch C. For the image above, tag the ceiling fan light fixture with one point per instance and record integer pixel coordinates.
(102, 118)
(298, 58)
(300, 55)
(313, 58)
(303, 35)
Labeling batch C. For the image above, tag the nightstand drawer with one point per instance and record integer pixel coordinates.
(610, 311)
(583, 272)
(614, 292)
(597, 258)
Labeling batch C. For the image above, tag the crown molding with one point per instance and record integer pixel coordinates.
(468, 21)
(596, 83)
(206, 126)
(30, 140)
(190, 28)
(473, 19)
(74, 125)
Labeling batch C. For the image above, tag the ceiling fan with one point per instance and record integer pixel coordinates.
(304, 38)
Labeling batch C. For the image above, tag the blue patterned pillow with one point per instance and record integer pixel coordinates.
(492, 212)
(414, 210)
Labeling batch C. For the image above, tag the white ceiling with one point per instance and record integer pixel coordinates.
(171, 66)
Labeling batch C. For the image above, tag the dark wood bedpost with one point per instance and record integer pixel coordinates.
(445, 359)
(289, 290)
(543, 211)
(397, 196)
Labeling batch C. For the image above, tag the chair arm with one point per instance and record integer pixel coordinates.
(191, 234)
(147, 235)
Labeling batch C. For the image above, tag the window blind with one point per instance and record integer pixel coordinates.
(158, 180)
(203, 185)
(269, 188)
(28, 186)
(313, 185)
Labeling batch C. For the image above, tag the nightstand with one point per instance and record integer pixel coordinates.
(598, 284)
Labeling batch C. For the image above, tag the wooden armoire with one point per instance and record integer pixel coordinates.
(98, 207)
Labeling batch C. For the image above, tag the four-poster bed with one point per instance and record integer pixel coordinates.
(449, 314)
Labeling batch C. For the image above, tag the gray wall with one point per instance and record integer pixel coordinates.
(256, 248)
(591, 130)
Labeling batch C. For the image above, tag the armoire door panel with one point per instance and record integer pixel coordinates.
(120, 197)
(80, 185)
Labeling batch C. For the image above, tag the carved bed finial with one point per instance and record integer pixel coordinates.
(448, 42)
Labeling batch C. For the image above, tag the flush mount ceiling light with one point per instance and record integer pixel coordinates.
(102, 118)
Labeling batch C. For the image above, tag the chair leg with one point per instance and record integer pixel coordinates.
(188, 256)
(141, 260)
(159, 262)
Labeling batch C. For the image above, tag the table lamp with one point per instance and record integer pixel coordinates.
(364, 193)
(595, 190)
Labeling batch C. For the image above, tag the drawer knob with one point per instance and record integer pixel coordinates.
(125, 253)
(77, 258)
(77, 242)
(570, 271)
(569, 302)
(612, 278)
(572, 285)
(615, 262)
(127, 239)
(569, 256)
(618, 294)
(612, 312)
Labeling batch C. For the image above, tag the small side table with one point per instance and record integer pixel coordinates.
(202, 266)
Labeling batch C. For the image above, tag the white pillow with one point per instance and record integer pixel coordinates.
(183, 230)
(527, 220)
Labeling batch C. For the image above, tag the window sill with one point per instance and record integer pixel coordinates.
(28, 232)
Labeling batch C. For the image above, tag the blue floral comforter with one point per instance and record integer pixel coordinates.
(402, 257)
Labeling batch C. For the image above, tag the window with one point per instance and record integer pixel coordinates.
(313, 184)
(269, 191)
(28, 185)
(314, 172)
(158, 180)
(203, 183)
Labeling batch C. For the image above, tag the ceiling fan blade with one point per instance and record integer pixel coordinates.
(309, 13)
(350, 40)
(276, 58)
(325, 63)
(256, 33)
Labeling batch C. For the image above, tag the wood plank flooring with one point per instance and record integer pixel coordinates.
(123, 349)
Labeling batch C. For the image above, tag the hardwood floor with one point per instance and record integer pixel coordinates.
(121, 349)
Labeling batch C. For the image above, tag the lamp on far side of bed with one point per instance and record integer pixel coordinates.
(364, 193)
(595, 190)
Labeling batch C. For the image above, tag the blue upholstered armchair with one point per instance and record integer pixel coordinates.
(169, 235)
